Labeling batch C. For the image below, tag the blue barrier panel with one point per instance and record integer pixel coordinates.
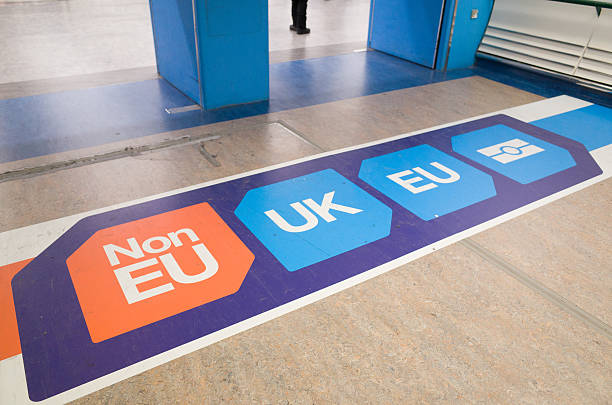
(175, 47)
(125, 285)
(234, 59)
(407, 29)
(462, 29)
(219, 57)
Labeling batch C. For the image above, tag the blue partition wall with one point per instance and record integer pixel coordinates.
(408, 29)
(175, 46)
(216, 51)
(439, 34)
(219, 56)
(233, 36)
(459, 49)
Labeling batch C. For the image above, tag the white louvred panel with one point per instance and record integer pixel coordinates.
(564, 38)
(523, 48)
(529, 60)
(596, 65)
(567, 23)
(531, 40)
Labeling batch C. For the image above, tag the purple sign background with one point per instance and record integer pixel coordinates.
(57, 350)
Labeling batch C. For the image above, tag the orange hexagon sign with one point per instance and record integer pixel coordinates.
(130, 275)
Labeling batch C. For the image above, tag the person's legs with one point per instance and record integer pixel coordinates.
(294, 15)
(301, 15)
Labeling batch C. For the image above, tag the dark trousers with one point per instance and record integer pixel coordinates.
(298, 12)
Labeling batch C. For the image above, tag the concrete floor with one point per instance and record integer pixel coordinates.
(457, 326)
(40, 40)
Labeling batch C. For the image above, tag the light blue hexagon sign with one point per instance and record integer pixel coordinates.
(513, 153)
(426, 181)
(307, 219)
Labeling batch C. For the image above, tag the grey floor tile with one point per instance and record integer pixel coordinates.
(359, 120)
(566, 245)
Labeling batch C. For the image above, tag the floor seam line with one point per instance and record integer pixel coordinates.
(539, 288)
(298, 134)
(129, 151)
(132, 151)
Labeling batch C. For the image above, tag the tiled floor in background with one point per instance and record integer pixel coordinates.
(55, 38)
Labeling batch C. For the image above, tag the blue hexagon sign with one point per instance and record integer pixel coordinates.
(427, 182)
(513, 153)
(307, 219)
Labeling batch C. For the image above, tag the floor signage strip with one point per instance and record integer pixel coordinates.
(128, 284)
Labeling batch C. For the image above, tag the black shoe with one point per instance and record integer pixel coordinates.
(292, 27)
(302, 31)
